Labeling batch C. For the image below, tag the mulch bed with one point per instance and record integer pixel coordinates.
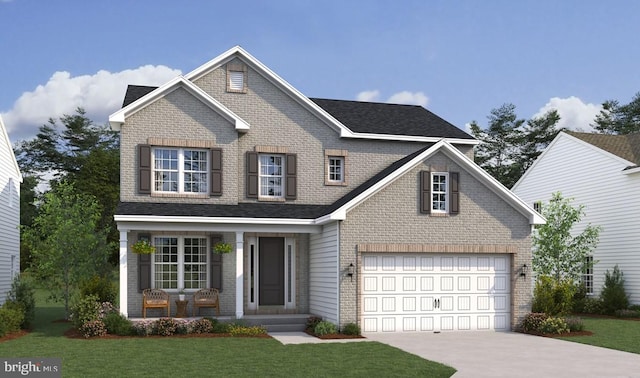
(334, 336)
(14, 335)
(73, 333)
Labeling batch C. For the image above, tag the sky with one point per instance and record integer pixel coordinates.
(459, 59)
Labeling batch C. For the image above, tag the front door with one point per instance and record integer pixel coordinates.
(271, 271)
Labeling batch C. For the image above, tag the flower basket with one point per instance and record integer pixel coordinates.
(143, 247)
(222, 248)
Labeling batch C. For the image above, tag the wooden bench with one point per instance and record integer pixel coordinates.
(206, 298)
(155, 298)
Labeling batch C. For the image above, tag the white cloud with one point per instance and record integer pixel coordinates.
(574, 113)
(100, 95)
(404, 97)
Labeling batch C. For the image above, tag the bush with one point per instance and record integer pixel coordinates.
(554, 325)
(613, 294)
(143, 328)
(312, 322)
(116, 324)
(218, 327)
(533, 321)
(84, 310)
(351, 329)
(93, 328)
(574, 323)
(22, 291)
(11, 317)
(628, 313)
(593, 306)
(580, 296)
(100, 286)
(553, 297)
(201, 326)
(325, 328)
(165, 326)
(242, 330)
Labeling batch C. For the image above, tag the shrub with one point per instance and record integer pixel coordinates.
(580, 296)
(143, 328)
(628, 313)
(11, 317)
(533, 321)
(351, 329)
(218, 327)
(325, 328)
(593, 306)
(312, 322)
(93, 328)
(553, 297)
(22, 291)
(201, 326)
(635, 307)
(85, 310)
(100, 286)
(574, 323)
(242, 330)
(554, 325)
(116, 324)
(165, 326)
(613, 294)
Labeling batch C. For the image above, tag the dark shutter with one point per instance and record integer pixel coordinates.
(454, 193)
(216, 265)
(252, 175)
(216, 171)
(291, 186)
(144, 169)
(425, 192)
(144, 266)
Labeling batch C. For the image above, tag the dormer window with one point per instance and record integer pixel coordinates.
(236, 78)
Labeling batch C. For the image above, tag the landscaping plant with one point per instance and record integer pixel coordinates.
(325, 328)
(613, 295)
(553, 297)
(23, 292)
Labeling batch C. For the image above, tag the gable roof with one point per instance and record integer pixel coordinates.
(624, 146)
(4, 140)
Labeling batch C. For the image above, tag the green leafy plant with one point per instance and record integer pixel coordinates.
(533, 321)
(222, 248)
(23, 292)
(574, 323)
(626, 313)
(84, 310)
(218, 327)
(553, 297)
(325, 328)
(613, 295)
(101, 286)
(312, 322)
(93, 328)
(11, 317)
(351, 329)
(117, 324)
(143, 247)
(593, 306)
(554, 325)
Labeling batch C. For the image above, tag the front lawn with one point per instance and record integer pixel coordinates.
(611, 333)
(198, 357)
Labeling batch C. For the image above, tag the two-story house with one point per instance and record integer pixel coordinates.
(356, 212)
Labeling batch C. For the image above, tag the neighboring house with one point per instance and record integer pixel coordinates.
(10, 179)
(601, 172)
(356, 212)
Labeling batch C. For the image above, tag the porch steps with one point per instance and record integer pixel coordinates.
(278, 323)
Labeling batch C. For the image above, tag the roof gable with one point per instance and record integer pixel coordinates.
(5, 142)
(624, 146)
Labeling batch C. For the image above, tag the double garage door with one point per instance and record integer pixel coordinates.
(416, 292)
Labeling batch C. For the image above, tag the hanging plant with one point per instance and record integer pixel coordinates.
(222, 248)
(143, 247)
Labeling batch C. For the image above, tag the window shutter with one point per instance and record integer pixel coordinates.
(144, 169)
(252, 175)
(216, 265)
(291, 188)
(216, 171)
(425, 192)
(144, 266)
(454, 193)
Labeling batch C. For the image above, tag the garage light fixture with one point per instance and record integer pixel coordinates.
(524, 270)
(350, 271)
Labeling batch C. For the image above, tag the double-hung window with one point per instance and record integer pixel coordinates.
(336, 169)
(271, 175)
(587, 275)
(439, 192)
(180, 262)
(180, 170)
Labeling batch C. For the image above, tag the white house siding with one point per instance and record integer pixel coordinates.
(323, 277)
(9, 215)
(595, 179)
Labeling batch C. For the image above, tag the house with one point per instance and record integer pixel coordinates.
(10, 179)
(585, 166)
(356, 212)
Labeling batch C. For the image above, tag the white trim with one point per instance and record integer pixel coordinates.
(117, 119)
(446, 192)
(5, 135)
(213, 220)
(124, 284)
(290, 273)
(631, 171)
(239, 275)
(252, 241)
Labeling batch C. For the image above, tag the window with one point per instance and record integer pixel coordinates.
(180, 262)
(537, 206)
(587, 276)
(336, 169)
(271, 175)
(439, 197)
(180, 170)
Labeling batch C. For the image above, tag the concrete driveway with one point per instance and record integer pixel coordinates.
(507, 354)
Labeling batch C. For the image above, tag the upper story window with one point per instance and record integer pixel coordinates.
(439, 192)
(236, 77)
(180, 170)
(271, 175)
(336, 169)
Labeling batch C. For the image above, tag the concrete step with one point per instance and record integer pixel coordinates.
(278, 323)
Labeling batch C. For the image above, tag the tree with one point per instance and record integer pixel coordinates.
(619, 119)
(65, 244)
(28, 212)
(556, 252)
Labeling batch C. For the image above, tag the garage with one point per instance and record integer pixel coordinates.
(424, 292)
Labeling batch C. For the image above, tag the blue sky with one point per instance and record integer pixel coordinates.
(459, 59)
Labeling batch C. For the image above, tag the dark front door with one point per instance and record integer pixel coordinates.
(271, 271)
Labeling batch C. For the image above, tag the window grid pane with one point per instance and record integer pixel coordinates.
(195, 171)
(439, 192)
(166, 170)
(335, 169)
(166, 263)
(271, 175)
(587, 277)
(195, 263)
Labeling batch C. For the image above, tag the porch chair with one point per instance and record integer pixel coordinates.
(155, 298)
(206, 298)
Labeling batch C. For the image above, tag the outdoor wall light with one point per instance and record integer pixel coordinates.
(350, 271)
(524, 270)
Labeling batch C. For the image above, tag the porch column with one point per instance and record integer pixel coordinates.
(239, 275)
(123, 273)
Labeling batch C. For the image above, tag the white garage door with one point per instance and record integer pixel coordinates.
(434, 292)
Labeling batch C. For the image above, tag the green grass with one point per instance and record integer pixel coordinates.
(199, 357)
(610, 333)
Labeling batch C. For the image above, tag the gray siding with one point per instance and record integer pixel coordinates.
(323, 275)
(9, 218)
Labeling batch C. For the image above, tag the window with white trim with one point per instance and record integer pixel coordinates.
(271, 171)
(335, 169)
(439, 192)
(180, 170)
(587, 275)
(180, 262)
